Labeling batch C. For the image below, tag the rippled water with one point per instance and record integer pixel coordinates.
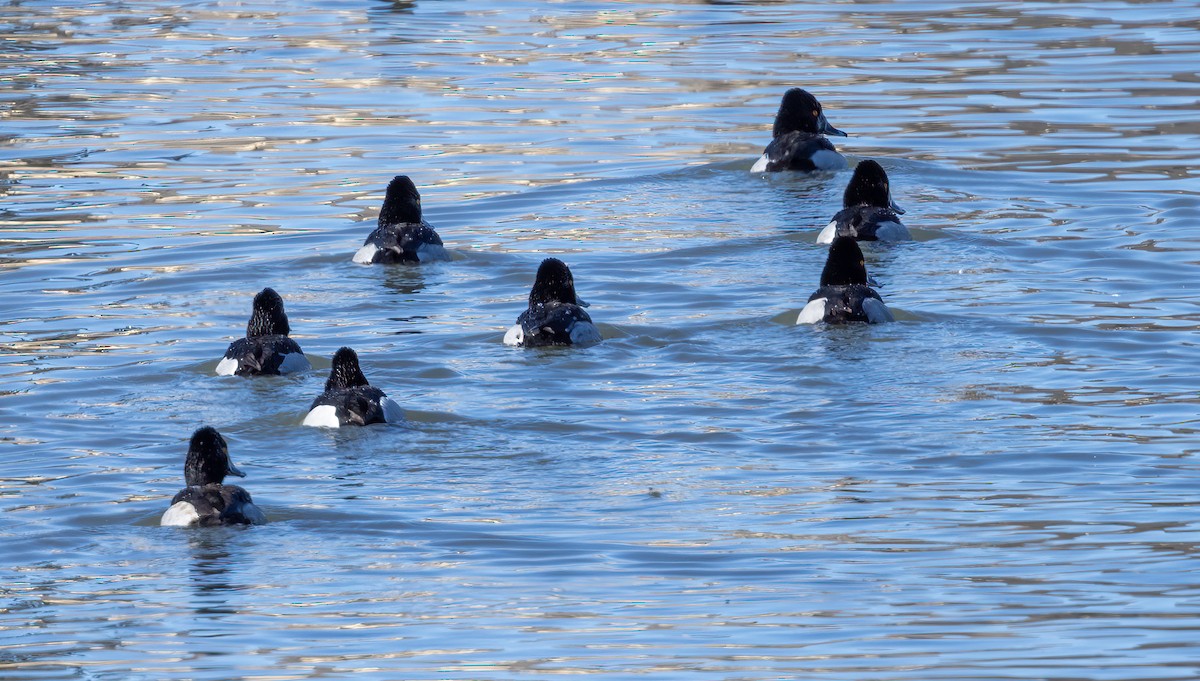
(1000, 485)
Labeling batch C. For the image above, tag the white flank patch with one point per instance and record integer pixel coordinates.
(827, 234)
(181, 514)
(825, 159)
(432, 252)
(254, 514)
(584, 332)
(892, 231)
(366, 254)
(322, 416)
(760, 166)
(515, 336)
(227, 366)
(392, 413)
(293, 362)
(877, 312)
(813, 312)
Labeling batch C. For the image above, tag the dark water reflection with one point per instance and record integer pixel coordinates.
(213, 566)
(997, 486)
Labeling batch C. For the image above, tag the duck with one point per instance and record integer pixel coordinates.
(844, 295)
(266, 349)
(868, 211)
(403, 236)
(555, 315)
(207, 501)
(798, 138)
(349, 400)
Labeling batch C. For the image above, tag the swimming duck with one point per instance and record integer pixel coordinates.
(266, 349)
(349, 400)
(844, 295)
(402, 236)
(798, 141)
(206, 501)
(868, 211)
(555, 315)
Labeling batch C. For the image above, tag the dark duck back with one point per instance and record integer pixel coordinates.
(868, 212)
(349, 400)
(844, 294)
(798, 137)
(555, 315)
(207, 501)
(266, 349)
(402, 235)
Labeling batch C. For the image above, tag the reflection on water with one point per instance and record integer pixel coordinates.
(209, 572)
(997, 485)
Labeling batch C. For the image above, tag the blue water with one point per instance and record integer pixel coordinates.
(1000, 485)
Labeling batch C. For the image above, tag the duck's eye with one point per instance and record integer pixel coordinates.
(816, 113)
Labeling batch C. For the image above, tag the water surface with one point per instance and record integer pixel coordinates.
(1000, 485)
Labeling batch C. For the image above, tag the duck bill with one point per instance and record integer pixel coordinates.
(581, 302)
(895, 208)
(827, 129)
(234, 470)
